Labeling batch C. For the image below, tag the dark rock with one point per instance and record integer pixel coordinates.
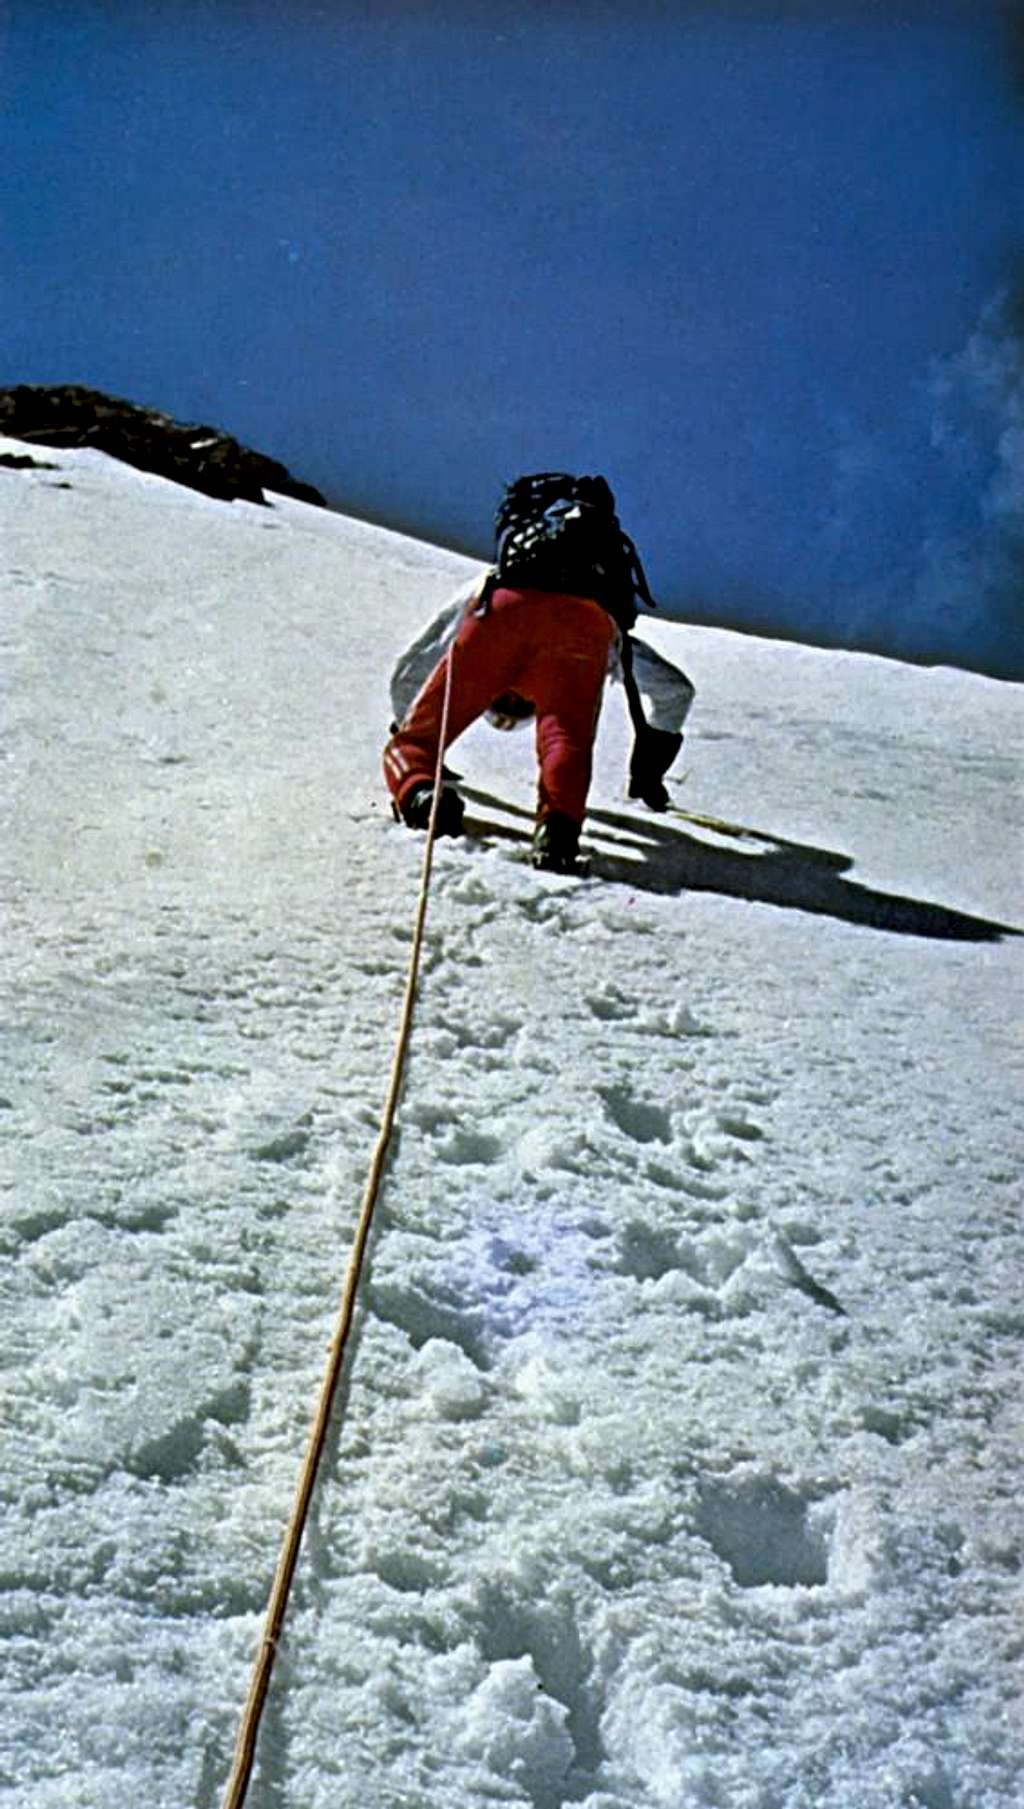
(203, 458)
(10, 461)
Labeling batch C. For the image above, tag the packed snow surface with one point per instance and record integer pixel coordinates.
(679, 1460)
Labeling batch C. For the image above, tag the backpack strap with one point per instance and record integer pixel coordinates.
(632, 690)
(637, 573)
(480, 602)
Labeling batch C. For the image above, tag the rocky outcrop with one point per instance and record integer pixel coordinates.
(204, 458)
(15, 461)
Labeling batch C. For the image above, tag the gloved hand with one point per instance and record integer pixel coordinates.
(653, 753)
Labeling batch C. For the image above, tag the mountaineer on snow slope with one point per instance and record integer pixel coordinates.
(535, 635)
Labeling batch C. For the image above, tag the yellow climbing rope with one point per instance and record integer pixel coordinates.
(245, 1747)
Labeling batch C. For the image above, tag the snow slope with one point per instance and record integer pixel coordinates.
(622, 1511)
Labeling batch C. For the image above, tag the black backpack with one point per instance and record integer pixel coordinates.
(561, 533)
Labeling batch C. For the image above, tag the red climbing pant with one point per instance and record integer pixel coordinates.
(548, 648)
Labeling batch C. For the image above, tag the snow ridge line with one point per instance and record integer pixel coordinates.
(252, 1712)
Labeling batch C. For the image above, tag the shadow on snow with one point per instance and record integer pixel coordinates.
(659, 854)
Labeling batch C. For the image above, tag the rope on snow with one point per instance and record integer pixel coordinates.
(245, 1748)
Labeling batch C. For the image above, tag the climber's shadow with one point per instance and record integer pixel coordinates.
(660, 854)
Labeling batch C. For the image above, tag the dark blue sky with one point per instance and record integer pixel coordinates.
(744, 259)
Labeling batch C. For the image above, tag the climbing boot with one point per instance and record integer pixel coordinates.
(417, 806)
(556, 843)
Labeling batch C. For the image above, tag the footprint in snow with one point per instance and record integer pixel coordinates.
(743, 1128)
(465, 1147)
(642, 1122)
